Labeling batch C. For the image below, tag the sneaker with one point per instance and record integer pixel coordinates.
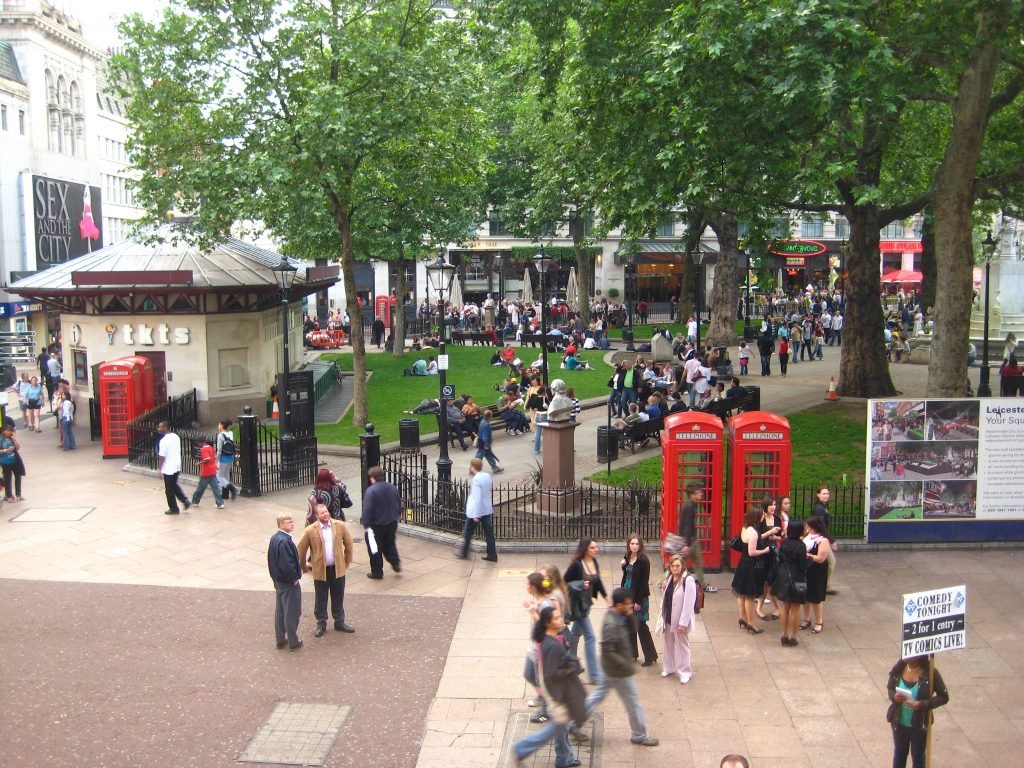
(539, 719)
(220, 506)
(193, 504)
(534, 703)
(684, 679)
(646, 741)
(708, 588)
(188, 504)
(498, 470)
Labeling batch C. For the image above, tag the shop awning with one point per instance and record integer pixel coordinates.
(902, 276)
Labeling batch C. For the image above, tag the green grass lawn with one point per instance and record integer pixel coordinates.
(390, 393)
(829, 441)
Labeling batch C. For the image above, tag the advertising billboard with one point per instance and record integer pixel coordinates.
(66, 220)
(945, 470)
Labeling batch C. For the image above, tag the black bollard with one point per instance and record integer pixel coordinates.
(369, 455)
(247, 454)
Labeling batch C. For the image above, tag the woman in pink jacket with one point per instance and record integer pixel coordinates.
(677, 614)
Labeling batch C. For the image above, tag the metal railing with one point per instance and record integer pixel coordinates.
(179, 412)
(269, 463)
(325, 376)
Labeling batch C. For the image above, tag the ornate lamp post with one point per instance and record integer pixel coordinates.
(285, 273)
(440, 275)
(988, 249)
(697, 256)
(541, 262)
(746, 303)
(627, 328)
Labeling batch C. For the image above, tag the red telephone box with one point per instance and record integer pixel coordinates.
(759, 462)
(126, 392)
(380, 310)
(693, 451)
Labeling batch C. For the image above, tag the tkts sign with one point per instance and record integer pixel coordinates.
(66, 220)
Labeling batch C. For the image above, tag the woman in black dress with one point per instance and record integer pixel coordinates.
(770, 521)
(818, 547)
(636, 577)
(748, 581)
(792, 569)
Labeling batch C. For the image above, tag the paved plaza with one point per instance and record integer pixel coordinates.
(139, 639)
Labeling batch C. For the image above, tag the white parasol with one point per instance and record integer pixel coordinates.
(572, 291)
(456, 295)
(527, 289)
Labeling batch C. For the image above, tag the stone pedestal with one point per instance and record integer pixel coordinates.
(558, 475)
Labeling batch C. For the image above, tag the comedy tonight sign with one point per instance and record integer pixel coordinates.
(934, 621)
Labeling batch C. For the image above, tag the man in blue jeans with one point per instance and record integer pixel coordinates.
(483, 442)
(479, 511)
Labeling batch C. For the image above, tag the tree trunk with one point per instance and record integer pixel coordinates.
(929, 268)
(953, 201)
(584, 267)
(863, 367)
(359, 408)
(398, 332)
(725, 294)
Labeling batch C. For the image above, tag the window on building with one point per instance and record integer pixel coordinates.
(233, 367)
(496, 227)
(842, 228)
(81, 367)
(893, 231)
(780, 227)
(21, 121)
(812, 227)
(666, 226)
(3, 116)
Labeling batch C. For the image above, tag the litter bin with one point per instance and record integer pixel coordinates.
(607, 444)
(756, 405)
(749, 333)
(409, 434)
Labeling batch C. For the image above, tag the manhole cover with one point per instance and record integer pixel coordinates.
(52, 515)
(296, 734)
(587, 752)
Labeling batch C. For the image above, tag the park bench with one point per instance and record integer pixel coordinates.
(478, 338)
(638, 435)
(750, 400)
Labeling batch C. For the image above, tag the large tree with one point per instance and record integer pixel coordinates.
(319, 119)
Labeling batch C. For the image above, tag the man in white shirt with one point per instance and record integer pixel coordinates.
(479, 510)
(837, 330)
(169, 464)
(325, 549)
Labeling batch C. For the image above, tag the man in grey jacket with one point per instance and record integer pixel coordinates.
(619, 666)
(479, 510)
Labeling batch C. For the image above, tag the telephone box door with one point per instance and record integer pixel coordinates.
(120, 389)
(693, 452)
(759, 465)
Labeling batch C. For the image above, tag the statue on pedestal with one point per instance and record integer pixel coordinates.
(560, 408)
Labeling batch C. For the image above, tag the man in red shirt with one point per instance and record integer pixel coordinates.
(207, 474)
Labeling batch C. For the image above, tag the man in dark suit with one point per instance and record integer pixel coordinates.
(283, 563)
(382, 506)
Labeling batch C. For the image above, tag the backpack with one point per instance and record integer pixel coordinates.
(227, 448)
(698, 600)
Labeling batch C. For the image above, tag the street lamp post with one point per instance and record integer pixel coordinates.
(988, 247)
(541, 261)
(697, 256)
(627, 330)
(440, 275)
(746, 308)
(285, 273)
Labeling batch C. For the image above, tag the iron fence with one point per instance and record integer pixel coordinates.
(525, 512)
(270, 466)
(143, 435)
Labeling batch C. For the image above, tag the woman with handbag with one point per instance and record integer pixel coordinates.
(914, 691)
(748, 581)
(769, 522)
(558, 675)
(583, 577)
(636, 577)
(790, 586)
(332, 493)
(818, 548)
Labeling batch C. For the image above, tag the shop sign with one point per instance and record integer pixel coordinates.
(65, 220)
(900, 246)
(802, 248)
(795, 261)
(144, 335)
(13, 309)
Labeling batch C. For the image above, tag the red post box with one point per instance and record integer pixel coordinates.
(759, 461)
(693, 452)
(126, 392)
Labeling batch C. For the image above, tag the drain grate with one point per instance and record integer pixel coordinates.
(296, 734)
(519, 725)
(52, 515)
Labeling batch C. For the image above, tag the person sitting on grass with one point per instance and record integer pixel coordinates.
(573, 363)
(419, 368)
(431, 366)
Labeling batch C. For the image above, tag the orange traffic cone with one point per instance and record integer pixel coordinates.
(831, 390)
(276, 413)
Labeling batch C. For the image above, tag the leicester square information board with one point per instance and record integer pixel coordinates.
(934, 621)
(945, 470)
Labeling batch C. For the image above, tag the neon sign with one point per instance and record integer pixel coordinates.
(803, 248)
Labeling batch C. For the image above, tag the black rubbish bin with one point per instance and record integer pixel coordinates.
(756, 405)
(409, 434)
(607, 444)
(749, 333)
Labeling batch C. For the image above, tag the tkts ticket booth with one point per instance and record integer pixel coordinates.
(759, 458)
(693, 452)
(126, 392)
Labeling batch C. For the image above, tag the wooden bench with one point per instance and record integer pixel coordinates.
(478, 338)
(637, 435)
(750, 400)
